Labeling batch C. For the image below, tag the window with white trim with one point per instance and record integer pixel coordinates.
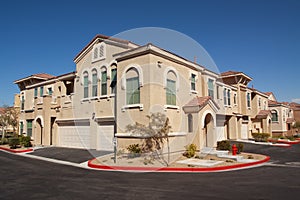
(103, 81)
(94, 83)
(113, 80)
(193, 82)
(274, 115)
(29, 128)
(85, 85)
(171, 88)
(35, 92)
(210, 84)
(249, 100)
(41, 91)
(132, 87)
(228, 97)
(225, 96)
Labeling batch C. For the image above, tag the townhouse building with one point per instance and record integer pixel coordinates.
(118, 83)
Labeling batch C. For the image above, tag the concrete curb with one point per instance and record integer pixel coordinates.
(16, 150)
(181, 169)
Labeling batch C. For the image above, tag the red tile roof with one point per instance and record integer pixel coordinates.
(263, 114)
(230, 73)
(43, 75)
(198, 101)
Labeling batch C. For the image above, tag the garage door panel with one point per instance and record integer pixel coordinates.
(74, 136)
(105, 137)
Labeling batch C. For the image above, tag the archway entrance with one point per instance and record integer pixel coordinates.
(39, 131)
(208, 131)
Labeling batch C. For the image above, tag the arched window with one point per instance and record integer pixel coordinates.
(103, 81)
(132, 86)
(190, 123)
(85, 85)
(274, 116)
(171, 88)
(94, 83)
(113, 79)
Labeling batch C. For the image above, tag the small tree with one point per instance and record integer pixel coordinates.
(155, 133)
(8, 117)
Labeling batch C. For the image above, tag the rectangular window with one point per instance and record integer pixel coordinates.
(21, 128)
(211, 88)
(171, 92)
(50, 91)
(94, 85)
(41, 91)
(29, 128)
(22, 103)
(228, 97)
(193, 82)
(113, 81)
(132, 90)
(259, 103)
(85, 87)
(35, 92)
(234, 99)
(103, 83)
(225, 97)
(248, 100)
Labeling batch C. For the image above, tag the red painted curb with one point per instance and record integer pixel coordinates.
(16, 151)
(180, 169)
(285, 142)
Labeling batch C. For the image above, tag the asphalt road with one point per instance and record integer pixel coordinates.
(26, 178)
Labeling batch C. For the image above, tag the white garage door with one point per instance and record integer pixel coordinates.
(74, 136)
(105, 138)
(244, 131)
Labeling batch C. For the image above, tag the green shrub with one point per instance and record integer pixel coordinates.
(13, 142)
(3, 141)
(223, 145)
(134, 150)
(190, 151)
(260, 137)
(240, 147)
(25, 141)
(291, 138)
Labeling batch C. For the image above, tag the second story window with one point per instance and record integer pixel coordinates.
(41, 91)
(29, 128)
(94, 83)
(234, 99)
(132, 87)
(228, 97)
(193, 82)
(211, 88)
(249, 100)
(35, 92)
(50, 91)
(22, 102)
(113, 80)
(21, 128)
(225, 96)
(104, 82)
(171, 88)
(85, 85)
(274, 116)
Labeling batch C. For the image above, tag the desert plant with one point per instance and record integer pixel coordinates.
(134, 150)
(25, 141)
(155, 134)
(190, 151)
(240, 147)
(260, 137)
(3, 141)
(223, 145)
(13, 142)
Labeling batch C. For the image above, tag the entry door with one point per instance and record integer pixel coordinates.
(244, 131)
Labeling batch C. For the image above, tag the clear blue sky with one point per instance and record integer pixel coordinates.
(260, 38)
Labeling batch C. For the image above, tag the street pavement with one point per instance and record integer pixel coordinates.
(27, 178)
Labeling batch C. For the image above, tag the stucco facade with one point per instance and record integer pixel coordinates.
(117, 83)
